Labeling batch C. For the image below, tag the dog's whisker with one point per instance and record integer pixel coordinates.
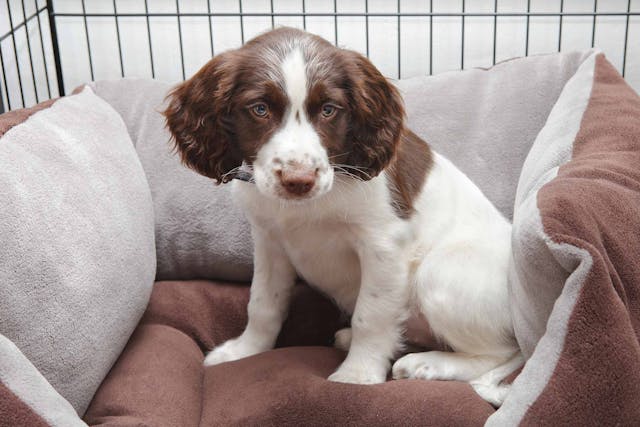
(342, 172)
(338, 155)
(356, 168)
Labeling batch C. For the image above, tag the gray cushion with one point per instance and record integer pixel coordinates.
(77, 259)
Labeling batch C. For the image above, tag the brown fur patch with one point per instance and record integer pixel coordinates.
(251, 132)
(333, 131)
(408, 172)
(364, 132)
(377, 115)
(199, 120)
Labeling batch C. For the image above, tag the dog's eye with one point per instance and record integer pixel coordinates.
(328, 110)
(260, 109)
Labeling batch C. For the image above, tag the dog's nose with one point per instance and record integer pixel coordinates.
(298, 180)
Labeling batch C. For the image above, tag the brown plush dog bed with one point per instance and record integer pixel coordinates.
(159, 380)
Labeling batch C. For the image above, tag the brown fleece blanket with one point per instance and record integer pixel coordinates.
(160, 380)
(576, 284)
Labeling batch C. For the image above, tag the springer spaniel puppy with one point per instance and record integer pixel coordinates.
(338, 191)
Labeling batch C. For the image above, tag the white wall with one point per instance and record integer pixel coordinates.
(383, 36)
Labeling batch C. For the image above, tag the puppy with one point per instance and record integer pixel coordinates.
(338, 191)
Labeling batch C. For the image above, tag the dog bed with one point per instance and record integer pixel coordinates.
(554, 142)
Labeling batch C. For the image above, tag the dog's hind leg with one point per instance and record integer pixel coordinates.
(442, 365)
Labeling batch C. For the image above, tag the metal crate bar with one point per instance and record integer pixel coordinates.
(115, 11)
(593, 25)
(84, 16)
(55, 47)
(462, 38)
(430, 37)
(22, 24)
(44, 55)
(241, 15)
(335, 21)
(26, 31)
(495, 29)
(153, 70)
(15, 53)
(184, 75)
(399, 46)
(4, 80)
(560, 27)
(14, 89)
(526, 43)
(350, 14)
(626, 39)
(211, 26)
(366, 26)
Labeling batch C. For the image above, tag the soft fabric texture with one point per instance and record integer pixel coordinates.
(77, 252)
(16, 117)
(579, 197)
(537, 274)
(26, 397)
(160, 379)
(200, 232)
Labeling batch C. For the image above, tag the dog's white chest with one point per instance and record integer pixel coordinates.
(320, 238)
(324, 258)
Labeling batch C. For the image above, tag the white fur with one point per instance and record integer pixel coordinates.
(448, 262)
(296, 142)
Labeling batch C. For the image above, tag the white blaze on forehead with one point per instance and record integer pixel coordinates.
(294, 71)
(296, 141)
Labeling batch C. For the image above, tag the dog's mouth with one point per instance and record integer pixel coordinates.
(283, 194)
(286, 186)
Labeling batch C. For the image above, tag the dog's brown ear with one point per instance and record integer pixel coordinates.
(198, 117)
(377, 116)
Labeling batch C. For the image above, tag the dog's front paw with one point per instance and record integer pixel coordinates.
(229, 351)
(359, 375)
(425, 366)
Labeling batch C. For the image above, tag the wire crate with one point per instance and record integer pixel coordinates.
(49, 47)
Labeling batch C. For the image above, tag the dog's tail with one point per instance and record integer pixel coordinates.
(488, 384)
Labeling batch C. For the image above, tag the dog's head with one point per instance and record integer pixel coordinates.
(292, 107)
